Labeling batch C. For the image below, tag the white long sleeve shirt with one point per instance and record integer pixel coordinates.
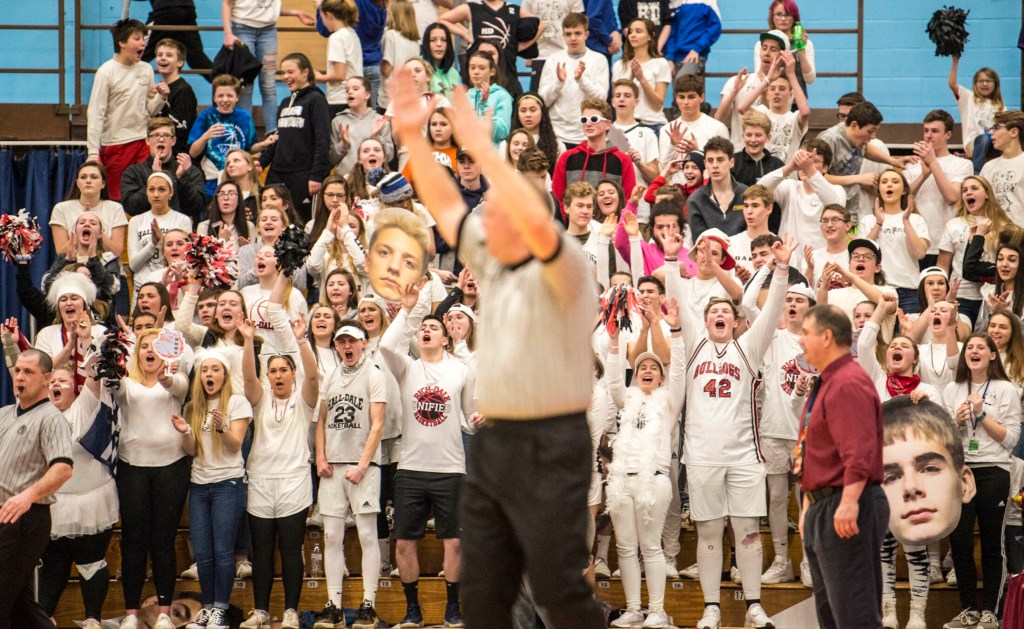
(563, 98)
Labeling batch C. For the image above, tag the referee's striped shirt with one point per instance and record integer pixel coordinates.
(31, 440)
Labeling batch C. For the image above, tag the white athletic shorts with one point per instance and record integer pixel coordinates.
(720, 490)
(279, 497)
(778, 454)
(337, 495)
(596, 489)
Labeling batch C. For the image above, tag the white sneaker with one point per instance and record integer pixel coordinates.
(617, 574)
(92, 623)
(734, 575)
(129, 622)
(315, 520)
(394, 573)
(601, 570)
(163, 621)
(690, 573)
(988, 620)
(947, 561)
(243, 569)
(290, 619)
(805, 574)
(935, 575)
(258, 619)
(712, 618)
(951, 578)
(629, 618)
(191, 573)
(757, 617)
(781, 571)
(657, 620)
(916, 620)
(671, 572)
(889, 618)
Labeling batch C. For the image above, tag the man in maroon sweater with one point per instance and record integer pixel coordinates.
(839, 461)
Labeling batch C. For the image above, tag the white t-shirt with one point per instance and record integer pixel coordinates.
(1005, 176)
(929, 201)
(787, 132)
(280, 448)
(783, 365)
(901, 268)
(551, 13)
(954, 240)
(396, 50)
(698, 293)
(348, 397)
(343, 47)
(66, 213)
(216, 464)
(739, 249)
(752, 82)
(657, 70)
(148, 438)
(975, 118)
(257, 300)
(139, 229)
(256, 13)
(821, 257)
(801, 210)
(645, 142)
(426, 14)
(702, 130)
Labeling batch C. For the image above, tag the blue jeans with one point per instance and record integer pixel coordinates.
(213, 513)
(908, 300)
(262, 43)
(969, 307)
(372, 74)
(982, 146)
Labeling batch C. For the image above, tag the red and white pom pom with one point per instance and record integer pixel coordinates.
(618, 303)
(19, 237)
(214, 261)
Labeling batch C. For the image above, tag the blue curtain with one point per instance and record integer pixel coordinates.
(36, 181)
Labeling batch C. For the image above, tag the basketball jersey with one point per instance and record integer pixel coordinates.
(499, 27)
(348, 397)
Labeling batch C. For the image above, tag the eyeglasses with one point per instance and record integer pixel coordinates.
(161, 136)
(841, 117)
(865, 257)
(227, 194)
(592, 119)
(832, 220)
(997, 125)
(334, 195)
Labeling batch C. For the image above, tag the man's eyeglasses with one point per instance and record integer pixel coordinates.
(832, 220)
(865, 257)
(592, 119)
(161, 136)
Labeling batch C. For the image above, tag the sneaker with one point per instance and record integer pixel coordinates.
(163, 621)
(202, 621)
(452, 616)
(671, 572)
(916, 620)
(329, 618)
(290, 620)
(315, 520)
(92, 623)
(889, 618)
(366, 617)
(394, 573)
(690, 573)
(258, 619)
(734, 575)
(951, 578)
(243, 569)
(756, 617)
(218, 619)
(988, 620)
(712, 618)
(781, 571)
(129, 622)
(793, 526)
(413, 617)
(805, 574)
(947, 561)
(629, 618)
(430, 524)
(191, 573)
(965, 619)
(617, 574)
(601, 570)
(935, 575)
(657, 620)
(385, 569)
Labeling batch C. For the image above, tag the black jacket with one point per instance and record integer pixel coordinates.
(303, 136)
(188, 191)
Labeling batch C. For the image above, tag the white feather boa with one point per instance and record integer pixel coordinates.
(635, 449)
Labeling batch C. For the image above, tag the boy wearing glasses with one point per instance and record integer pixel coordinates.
(186, 179)
(569, 77)
(595, 159)
(124, 96)
(1005, 172)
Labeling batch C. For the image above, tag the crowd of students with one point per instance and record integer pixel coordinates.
(312, 386)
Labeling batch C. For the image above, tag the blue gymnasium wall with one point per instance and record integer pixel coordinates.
(901, 74)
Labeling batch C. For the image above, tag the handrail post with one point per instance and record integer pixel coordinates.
(860, 46)
(78, 51)
(61, 66)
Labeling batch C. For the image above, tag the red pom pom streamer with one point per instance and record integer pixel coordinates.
(113, 360)
(618, 303)
(19, 237)
(213, 261)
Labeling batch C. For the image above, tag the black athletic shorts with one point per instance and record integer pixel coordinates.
(416, 494)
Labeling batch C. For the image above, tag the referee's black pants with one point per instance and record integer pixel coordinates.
(21, 546)
(523, 510)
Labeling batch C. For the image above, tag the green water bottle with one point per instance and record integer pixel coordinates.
(798, 37)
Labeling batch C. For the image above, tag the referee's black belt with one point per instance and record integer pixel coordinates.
(821, 493)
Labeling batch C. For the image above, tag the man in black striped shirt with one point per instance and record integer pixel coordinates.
(35, 460)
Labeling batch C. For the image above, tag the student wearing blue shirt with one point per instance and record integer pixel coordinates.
(221, 129)
(694, 28)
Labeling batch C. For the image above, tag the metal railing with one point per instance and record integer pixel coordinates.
(61, 68)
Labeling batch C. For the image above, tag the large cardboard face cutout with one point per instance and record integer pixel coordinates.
(923, 481)
(398, 252)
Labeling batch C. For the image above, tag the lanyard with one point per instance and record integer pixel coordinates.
(984, 394)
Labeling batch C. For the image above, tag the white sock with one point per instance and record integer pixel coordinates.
(709, 558)
(778, 520)
(334, 557)
(748, 554)
(603, 541)
(366, 528)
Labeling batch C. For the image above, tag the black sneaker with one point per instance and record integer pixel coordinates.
(453, 617)
(413, 617)
(329, 618)
(366, 617)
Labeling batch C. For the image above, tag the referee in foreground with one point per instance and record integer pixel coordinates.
(35, 460)
(523, 508)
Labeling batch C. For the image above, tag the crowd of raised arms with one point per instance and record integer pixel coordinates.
(308, 387)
